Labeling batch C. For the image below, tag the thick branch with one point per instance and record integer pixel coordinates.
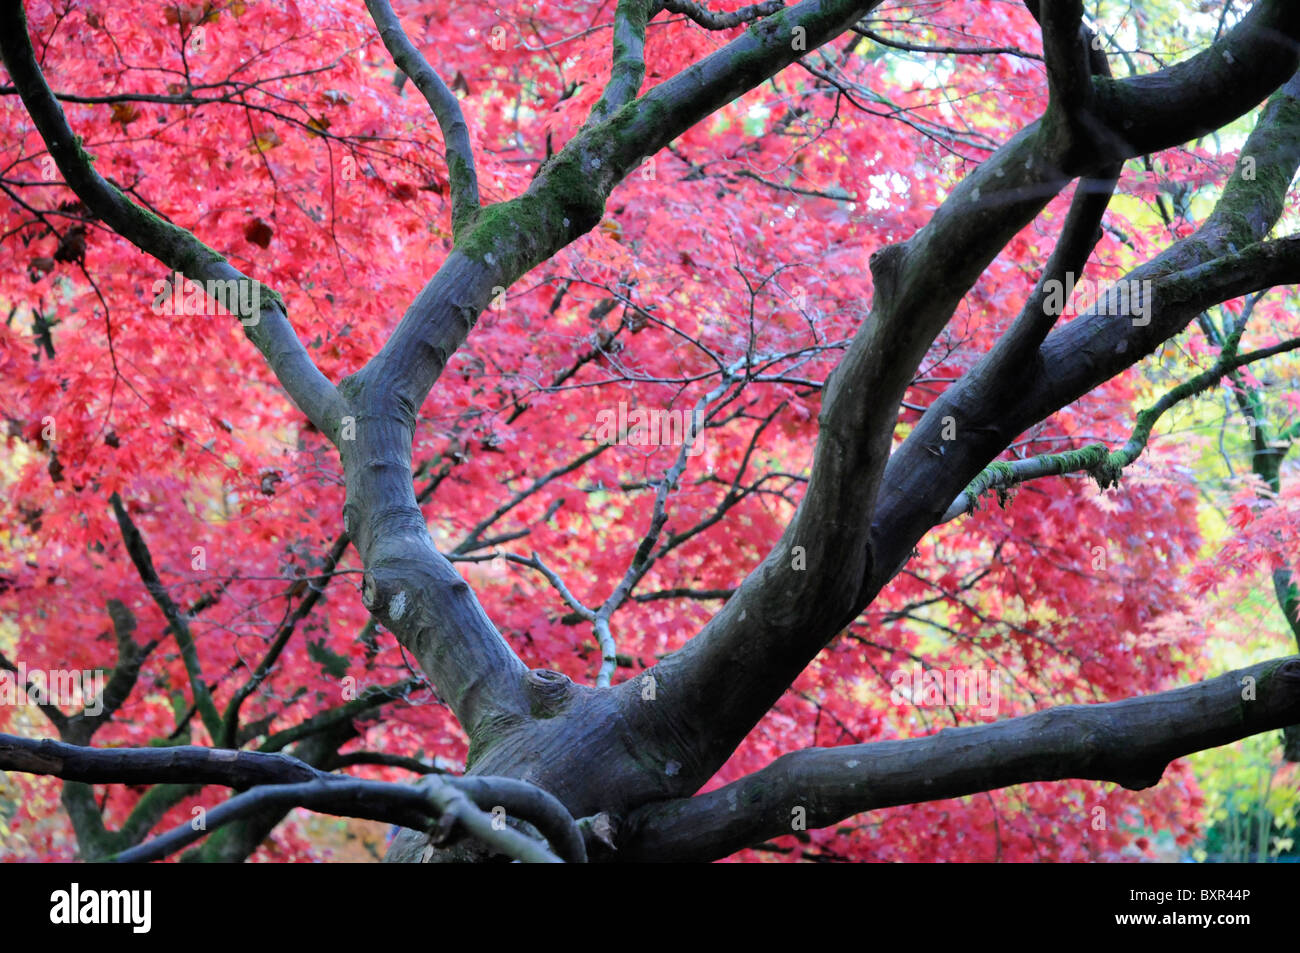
(1069, 76)
(1126, 742)
(280, 782)
(1159, 110)
(186, 764)
(432, 799)
(1009, 390)
(844, 543)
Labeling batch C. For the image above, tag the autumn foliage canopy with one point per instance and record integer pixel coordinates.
(724, 281)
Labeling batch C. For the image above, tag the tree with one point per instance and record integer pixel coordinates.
(735, 320)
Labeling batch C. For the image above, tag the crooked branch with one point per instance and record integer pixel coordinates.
(1127, 742)
(282, 782)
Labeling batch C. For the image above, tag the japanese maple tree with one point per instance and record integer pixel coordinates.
(635, 419)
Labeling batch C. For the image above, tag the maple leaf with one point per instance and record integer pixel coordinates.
(258, 232)
(125, 113)
(265, 141)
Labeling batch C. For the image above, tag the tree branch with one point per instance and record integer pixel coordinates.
(1105, 466)
(1008, 391)
(315, 591)
(853, 529)
(628, 71)
(186, 764)
(280, 782)
(1069, 76)
(876, 37)
(179, 624)
(1126, 742)
(446, 109)
(131, 655)
(417, 805)
(721, 21)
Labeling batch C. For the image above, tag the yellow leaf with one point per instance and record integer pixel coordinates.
(125, 113)
(264, 141)
(613, 228)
